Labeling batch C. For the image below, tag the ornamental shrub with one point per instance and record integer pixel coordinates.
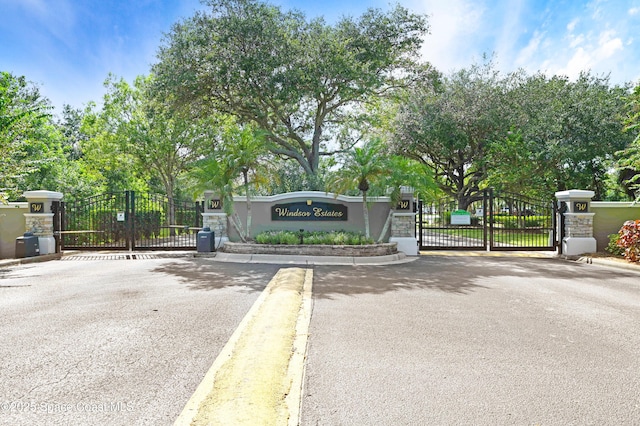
(313, 237)
(278, 237)
(630, 240)
(613, 247)
(535, 221)
(508, 222)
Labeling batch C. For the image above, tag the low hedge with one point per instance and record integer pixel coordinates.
(519, 222)
(313, 238)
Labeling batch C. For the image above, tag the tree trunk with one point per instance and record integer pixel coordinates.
(246, 191)
(235, 221)
(172, 208)
(365, 209)
(385, 228)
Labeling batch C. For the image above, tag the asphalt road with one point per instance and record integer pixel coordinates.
(438, 341)
(474, 341)
(115, 342)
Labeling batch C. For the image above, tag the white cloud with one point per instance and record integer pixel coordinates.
(576, 41)
(572, 25)
(455, 28)
(579, 62)
(593, 56)
(57, 17)
(511, 27)
(608, 44)
(633, 11)
(527, 54)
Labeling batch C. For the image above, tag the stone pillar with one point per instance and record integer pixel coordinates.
(578, 222)
(403, 226)
(215, 218)
(39, 220)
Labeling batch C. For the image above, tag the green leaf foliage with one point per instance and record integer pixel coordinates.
(527, 134)
(312, 238)
(449, 123)
(628, 160)
(135, 140)
(31, 142)
(301, 81)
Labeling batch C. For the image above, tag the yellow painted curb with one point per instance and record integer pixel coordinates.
(299, 356)
(257, 377)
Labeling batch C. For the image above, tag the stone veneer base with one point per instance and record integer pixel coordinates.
(383, 249)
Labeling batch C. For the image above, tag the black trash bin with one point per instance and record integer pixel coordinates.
(206, 241)
(27, 246)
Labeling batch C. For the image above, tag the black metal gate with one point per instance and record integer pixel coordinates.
(500, 221)
(128, 221)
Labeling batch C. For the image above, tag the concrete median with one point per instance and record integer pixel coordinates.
(257, 377)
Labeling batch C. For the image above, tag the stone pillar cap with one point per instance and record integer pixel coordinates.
(43, 194)
(574, 193)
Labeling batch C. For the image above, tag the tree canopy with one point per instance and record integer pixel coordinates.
(628, 160)
(30, 141)
(528, 134)
(570, 131)
(302, 81)
(449, 124)
(302, 94)
(141, 133)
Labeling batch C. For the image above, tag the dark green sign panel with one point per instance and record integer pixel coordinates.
(215, 204)
(309, 211)
(403, 205)
(580, 207)
(36, 208)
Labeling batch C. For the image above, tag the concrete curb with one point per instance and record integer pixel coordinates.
(295, 373)
(34, 259)
(391, 259)
(622, 264)
(313, 260)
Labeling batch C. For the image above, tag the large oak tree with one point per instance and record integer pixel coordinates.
(529, 134)
(567, 132)
(449, 124)
(302, 81)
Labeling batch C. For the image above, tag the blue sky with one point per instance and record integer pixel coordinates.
(68, 47)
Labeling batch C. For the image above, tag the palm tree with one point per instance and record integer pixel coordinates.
(246, 153)
(408, 173)
(211, 173)
(362, 167)
(241, 153)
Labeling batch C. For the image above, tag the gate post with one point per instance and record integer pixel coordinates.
(39, 220)
(403, 225)
(130, 219)
(215, 218)
(578, 222)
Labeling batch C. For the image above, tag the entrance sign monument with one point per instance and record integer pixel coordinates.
(586, 224)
